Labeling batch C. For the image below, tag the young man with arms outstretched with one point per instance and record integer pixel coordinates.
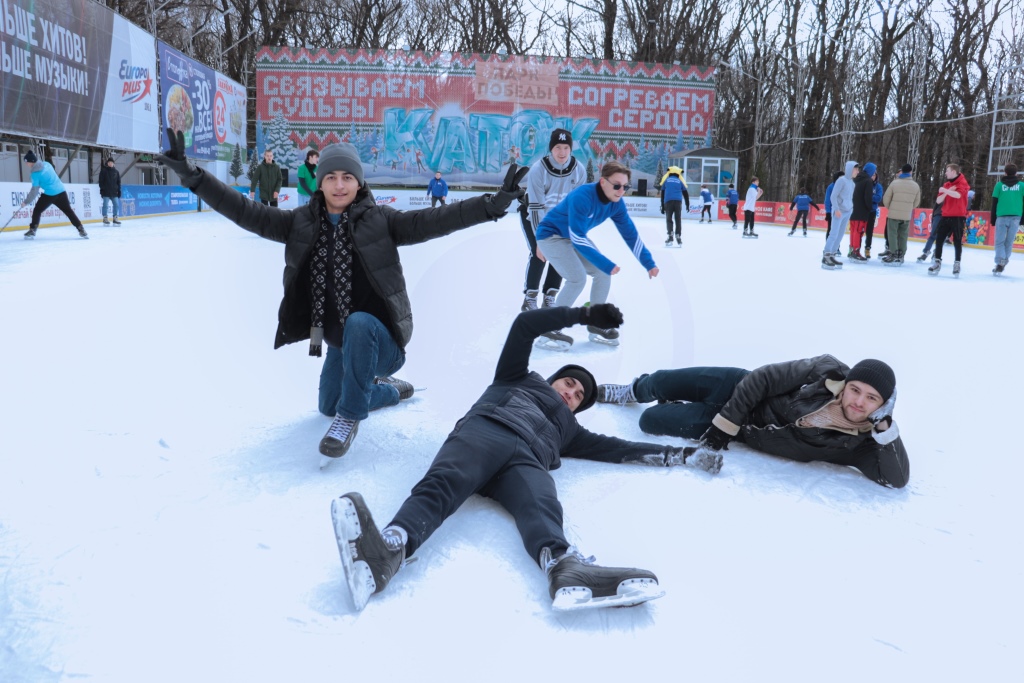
(815, 409)
(504, 449)
(343, 281)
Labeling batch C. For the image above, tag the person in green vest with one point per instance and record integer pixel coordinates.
(307, 177)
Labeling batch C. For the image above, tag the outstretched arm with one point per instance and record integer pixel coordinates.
(590, 446)
(513, 364)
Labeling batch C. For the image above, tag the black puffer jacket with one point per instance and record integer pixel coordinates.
(377, 232)
(863, 198)
(524, 402)
(767, 403)
(110, 182)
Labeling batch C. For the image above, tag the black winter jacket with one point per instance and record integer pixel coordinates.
(767, 403)
(110, 182)
(377, 232)
(524, 402)
(863, 198)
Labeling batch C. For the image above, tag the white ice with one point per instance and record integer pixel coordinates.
(162, 517)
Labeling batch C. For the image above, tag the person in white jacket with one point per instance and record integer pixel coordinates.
(842, 208)
(754, 193)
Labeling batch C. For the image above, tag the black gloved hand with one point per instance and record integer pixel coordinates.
(604, 316)
(662, 209)
(175, 159)
(882, 417)
(715, 439)
(510, 190)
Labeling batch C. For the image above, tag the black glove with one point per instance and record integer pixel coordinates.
(715, 439)
(883, 414)
(662, 209)
(510, 190)
(603, 316)
(175, 159)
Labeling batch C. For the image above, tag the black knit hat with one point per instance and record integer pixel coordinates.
(30, 157)
(586, 380)
(907, 168)
(878, 375)
(560, 136)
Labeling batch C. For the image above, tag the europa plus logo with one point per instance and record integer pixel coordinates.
(136, 82)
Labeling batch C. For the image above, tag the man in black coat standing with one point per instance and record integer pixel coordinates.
(110, 190)
(816, 409)
(343, 281)
(504, 448)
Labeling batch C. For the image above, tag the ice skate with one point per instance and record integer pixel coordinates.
(555, 340)
(83, 234)
(337, 440)
(116, 222)
(924, 257)
(836, 261)
(679, 241)
(405, 389)
(369, 559)
(529, 300)
(619, 394)
(855, 255)
(30, 234)
(827, 263)
(791, 232)
(893, 259)
(956, 269)
(549, 297)
(105, 221)
(998, 270)
(609, 337)
(750, 235)
(668, 241)
(576, 583)
(935, 267)
(734, 226)
(867, 253)
(805, 233)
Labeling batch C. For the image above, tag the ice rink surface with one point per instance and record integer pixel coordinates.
(162, 517)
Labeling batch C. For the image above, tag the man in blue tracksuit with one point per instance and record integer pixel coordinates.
(877, 192)
(438, 190)
(46, 184)
(562, 240)
(803, 204)
(732, 202)
(673, 194)
(842, 208)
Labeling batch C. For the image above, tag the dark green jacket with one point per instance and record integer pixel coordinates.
(268, 178)
(377, 232)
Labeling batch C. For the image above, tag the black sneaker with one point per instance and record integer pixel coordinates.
(405, 389)
(575, 582)
(339, 437)
(368, 560)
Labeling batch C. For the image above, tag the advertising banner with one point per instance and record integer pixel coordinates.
(188, 89)
(229, 120)
(74, 71)
(469, 116)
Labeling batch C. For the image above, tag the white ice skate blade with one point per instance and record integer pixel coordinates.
(750, 237)
(326, 460)
(598, 339)
(630, 593)
(551, 345)
(347, 529)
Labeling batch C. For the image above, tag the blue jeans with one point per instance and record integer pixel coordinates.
(303, 199)
(346, 381)
(115, 202)
(689, 398)
(1006, 232)
(835, 237)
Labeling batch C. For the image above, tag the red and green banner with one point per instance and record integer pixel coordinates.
(469, 115)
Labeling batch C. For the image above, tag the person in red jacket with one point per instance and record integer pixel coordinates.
(953, 198)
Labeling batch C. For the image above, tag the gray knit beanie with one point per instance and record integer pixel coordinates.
(340, 156)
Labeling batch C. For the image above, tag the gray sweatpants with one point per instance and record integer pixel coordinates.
(574, 268)
(835, 238)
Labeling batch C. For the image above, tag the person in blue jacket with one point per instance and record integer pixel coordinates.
(876, 198)
(828, 203)
(732, 202)
(673, 195)
(438, 190)
(562, 240)
(708, 200)
(803, 204)
(47, 186)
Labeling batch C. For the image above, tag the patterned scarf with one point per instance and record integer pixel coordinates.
(327, 272)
